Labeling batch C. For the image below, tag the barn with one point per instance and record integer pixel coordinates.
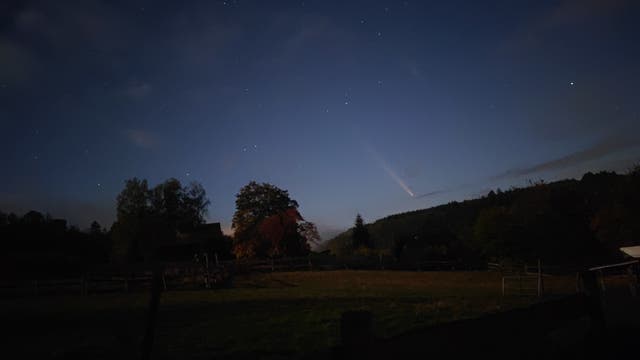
(206, 238)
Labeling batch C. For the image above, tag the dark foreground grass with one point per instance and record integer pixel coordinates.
(268, 315)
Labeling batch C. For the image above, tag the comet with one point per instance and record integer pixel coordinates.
(385, 166)
(396, 178)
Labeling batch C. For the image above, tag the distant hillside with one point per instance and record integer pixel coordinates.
(569, 221)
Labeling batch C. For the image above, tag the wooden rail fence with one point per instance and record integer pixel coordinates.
(519, 333)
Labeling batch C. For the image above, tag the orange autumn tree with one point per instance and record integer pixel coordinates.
(281, 233)
(267, 223)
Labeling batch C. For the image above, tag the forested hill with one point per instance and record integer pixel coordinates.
(565, 222)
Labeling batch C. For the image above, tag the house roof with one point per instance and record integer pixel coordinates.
(633, 251)
(202, 233)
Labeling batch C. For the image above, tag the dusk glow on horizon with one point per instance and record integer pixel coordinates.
(453, 98)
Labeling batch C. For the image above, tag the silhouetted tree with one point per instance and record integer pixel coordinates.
(36, 245)
(33, 218)
(266, 223)
(95, 228)
(147, 217)
(360, 235)
(133, 200)
(132, 221)
(493, 233)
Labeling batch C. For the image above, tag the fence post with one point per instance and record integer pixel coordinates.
(594, 300)
(579, 285)
(520, 285)
(634, 279)
(207, 285)
(539, 279)
(602, 280)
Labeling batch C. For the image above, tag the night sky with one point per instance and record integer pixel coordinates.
(375, 107)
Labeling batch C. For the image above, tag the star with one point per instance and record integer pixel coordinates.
(362, 21)
(379, 33)
(188, 173)
(379, 82)
(571, 83)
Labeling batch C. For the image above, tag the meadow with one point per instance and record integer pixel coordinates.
(273, 315)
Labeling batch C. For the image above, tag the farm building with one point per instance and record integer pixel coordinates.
(206, 238)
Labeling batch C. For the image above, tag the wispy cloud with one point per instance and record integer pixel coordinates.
(16, 63)
(430, 193)
(137, 89)
(598, 150)
(570, 12)
(560, 16)
(141, 138)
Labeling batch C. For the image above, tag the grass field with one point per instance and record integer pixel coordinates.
(264, 315)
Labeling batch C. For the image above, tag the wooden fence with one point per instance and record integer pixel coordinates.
(271, 265)
(520, 333)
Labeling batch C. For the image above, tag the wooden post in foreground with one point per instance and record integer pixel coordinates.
(154, 302)
(594, 300)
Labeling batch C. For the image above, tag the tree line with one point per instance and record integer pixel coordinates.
(266, 223)
(566, 222)
(36, 243)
